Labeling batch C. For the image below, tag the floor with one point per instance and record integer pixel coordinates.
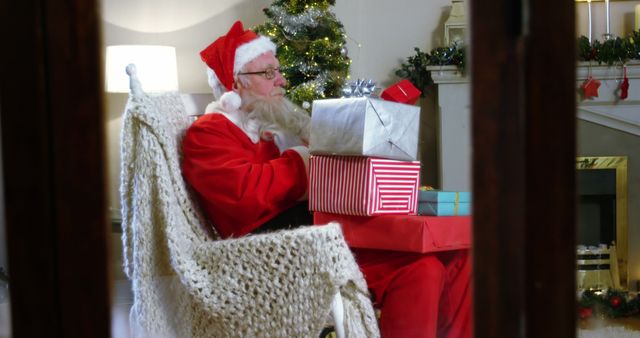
(122, 295)
(5, 318)
(628, 327)
(122, 301)
(608, 332)
(591, 328)
(630, 323)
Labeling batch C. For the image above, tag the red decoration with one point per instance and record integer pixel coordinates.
(615, 301)
(590, 87)
(585, 312)
(402, 92)
(624, 86)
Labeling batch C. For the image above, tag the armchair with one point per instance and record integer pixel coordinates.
(187, 282)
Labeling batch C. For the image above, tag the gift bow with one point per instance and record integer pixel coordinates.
(359, 88)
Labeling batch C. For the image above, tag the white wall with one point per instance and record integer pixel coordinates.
(387, 32)
(622, 18)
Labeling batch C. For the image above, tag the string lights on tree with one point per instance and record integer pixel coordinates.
(311, 47)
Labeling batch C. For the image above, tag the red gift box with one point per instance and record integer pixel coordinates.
(402, 92)
(403, 233)
(364, 186)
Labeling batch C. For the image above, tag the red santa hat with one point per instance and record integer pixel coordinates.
(226, 56)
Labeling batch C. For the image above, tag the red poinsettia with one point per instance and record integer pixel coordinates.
(585, 312)
(615, 301)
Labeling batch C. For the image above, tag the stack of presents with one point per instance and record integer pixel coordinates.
(364, 175)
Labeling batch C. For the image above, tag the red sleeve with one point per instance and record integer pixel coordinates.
(241, 184)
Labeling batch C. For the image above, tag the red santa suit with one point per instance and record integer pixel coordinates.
(420, 295)
(242, 180)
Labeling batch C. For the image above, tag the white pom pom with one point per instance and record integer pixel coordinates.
(306, 105)
(230, 101)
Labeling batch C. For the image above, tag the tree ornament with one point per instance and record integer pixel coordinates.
(624, 85)
(585, 312)
(615, 301)
(590, 87)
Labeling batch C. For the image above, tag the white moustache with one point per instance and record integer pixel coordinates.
(277, 92)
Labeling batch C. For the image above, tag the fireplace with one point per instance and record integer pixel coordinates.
(606, 125)
(602, 206)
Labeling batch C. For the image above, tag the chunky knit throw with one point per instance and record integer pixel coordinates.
(189, 283)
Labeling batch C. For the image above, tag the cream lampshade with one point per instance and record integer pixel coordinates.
(156, 68)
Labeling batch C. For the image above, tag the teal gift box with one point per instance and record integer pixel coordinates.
(444, 203)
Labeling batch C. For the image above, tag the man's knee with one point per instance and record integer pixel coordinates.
(459, 265)
(426, 270)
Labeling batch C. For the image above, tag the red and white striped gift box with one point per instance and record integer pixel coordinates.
(363, 186)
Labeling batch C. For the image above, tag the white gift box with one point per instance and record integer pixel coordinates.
(364, 127)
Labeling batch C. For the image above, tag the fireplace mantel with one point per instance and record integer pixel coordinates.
(454, 112)
(607, 109)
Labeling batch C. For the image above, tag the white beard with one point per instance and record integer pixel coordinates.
(277, 116)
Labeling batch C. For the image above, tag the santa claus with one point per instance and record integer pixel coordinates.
(247, 160)
(247, 156)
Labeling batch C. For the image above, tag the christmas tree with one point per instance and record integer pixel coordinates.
(311, 47)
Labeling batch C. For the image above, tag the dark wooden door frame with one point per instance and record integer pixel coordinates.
(523, 168)
(53, 162)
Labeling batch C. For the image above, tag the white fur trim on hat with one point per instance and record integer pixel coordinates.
(251, 50)
(230, 101)
(244, 54)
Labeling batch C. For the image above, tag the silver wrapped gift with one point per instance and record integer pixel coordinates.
(365, 127)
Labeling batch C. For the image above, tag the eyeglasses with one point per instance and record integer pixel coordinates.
(269, 73)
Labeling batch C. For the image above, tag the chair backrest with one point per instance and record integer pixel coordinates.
(187, 282)
(168, 118)
(152, 185)
(159, 212)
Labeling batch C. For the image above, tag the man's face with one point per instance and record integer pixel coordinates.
(259, 84)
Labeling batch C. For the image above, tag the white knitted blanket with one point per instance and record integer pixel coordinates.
(188, 283)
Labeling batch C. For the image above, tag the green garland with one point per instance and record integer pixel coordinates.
(415, 68)
(617, 50)
(611, 303)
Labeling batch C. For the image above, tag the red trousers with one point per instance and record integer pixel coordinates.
(420, 295)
